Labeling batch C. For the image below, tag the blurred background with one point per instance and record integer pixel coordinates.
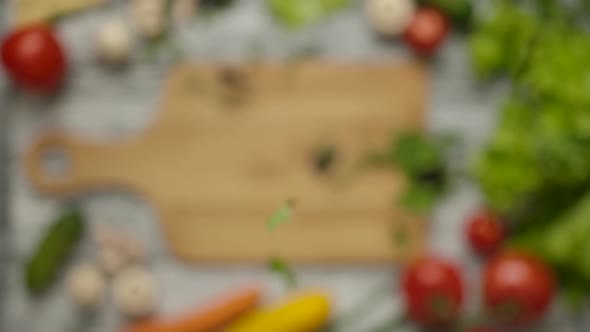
(480, 131)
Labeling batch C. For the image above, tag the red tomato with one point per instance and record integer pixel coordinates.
(485, 233)
(433, 290)
(518, 288)
(427, 30)
(34, 58)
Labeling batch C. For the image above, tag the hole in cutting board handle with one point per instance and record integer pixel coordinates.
(55, 163)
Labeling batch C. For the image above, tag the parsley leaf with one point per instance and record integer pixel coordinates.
(421, 159)
(281, 215)
(282, 268)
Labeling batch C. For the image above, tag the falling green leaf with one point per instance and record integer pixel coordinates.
(280, 267)
(280, 216)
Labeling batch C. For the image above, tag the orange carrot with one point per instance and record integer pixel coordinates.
(207, 318)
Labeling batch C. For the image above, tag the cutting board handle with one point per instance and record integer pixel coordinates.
(61, 164)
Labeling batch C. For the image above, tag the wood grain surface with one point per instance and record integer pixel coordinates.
(230, 145)
(33, 11)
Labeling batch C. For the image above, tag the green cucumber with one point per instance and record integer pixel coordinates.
(54, 248)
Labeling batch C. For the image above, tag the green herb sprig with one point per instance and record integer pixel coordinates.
(281, 215)
(277, 264)
(421, 159)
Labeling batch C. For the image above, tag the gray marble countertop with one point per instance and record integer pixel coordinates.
(109, 105)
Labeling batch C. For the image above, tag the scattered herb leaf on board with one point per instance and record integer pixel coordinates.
(235, 86)
(281, 268)
(281, 215)
(57, 244)
(233, 78)
(324, 158)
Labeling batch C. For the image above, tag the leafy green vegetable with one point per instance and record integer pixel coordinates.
(535, 169)
(558, 68)
(543, 133)
(280, 216)
(281, 268)
(460, 11)
(421, 159)
(564, 243)
(501, 44)
(297, 13)
(416, 154)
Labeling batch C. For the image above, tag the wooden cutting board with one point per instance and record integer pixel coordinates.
(32, 11)
(231, 145)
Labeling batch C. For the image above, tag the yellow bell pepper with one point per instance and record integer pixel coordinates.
(303, 313)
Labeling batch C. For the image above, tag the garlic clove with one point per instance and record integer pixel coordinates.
(135, 292)
(390, 18)
(114, 42)
(85, 285)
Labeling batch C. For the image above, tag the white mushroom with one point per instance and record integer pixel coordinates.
(390, 17)
(114, 43)
(135, 292)
(85, 286)
(111, 259)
